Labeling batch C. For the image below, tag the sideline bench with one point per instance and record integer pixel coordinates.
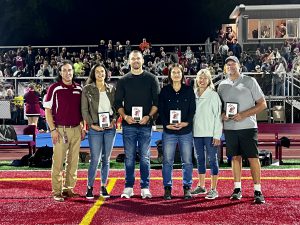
(29, 142)
(281, 130)
(278, 130)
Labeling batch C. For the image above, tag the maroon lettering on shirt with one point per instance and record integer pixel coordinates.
(65, 103)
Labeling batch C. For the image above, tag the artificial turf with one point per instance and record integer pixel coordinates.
(287, 164)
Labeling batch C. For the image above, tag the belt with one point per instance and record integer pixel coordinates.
(66, 126)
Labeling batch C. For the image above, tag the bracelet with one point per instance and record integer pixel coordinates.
(52, 130)
(150, 117)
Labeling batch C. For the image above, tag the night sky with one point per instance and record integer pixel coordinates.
(71, 22)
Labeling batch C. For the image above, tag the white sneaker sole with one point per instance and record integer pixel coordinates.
(59, 199)
(126, 195)
(90, 198)
(212, 198)
(146, 196)
(104, 196)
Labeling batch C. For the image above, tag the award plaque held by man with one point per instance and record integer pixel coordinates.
(231, 109)
(137, 113)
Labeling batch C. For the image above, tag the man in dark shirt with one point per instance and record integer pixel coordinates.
(63, 114)
(137, 88)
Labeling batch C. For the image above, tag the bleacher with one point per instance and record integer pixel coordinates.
(18, 71)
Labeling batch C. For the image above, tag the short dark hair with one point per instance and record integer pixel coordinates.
(135, 52)
(63, 63)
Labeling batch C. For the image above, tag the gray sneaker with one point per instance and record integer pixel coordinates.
(187, 192)
(237, 194)
(199, 191)
(258, 197)
(58, 198)
(212, 194)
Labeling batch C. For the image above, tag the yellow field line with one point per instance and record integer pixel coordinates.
(87, 219)
(152, 178)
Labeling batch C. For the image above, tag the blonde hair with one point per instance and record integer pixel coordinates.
(10, 90)
(207, 73)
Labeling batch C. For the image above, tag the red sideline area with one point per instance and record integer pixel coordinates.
(25, 199)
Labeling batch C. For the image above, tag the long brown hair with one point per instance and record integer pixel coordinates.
(92, 76)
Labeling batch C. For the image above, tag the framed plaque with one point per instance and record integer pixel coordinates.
(137, 113)
(231, 109)
(175, 116)
(104, 119)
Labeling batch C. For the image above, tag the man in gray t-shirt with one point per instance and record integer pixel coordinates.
(243, 99)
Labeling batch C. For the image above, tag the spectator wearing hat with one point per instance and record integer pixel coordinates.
(240, 128)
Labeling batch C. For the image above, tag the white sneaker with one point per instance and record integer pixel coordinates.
(58, 198)
(127, 193)
(145, 193)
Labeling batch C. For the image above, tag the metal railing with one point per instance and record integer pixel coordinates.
(290, 97)
(207, 45)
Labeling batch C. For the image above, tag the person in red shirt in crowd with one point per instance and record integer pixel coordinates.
(63, 114)
(144, 45)
(32, 105)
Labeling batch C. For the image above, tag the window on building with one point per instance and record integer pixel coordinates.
(277, 28)
(266, 30)
(292, 27)
(280, 30)
(252, 29)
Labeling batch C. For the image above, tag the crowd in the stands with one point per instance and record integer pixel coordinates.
(38, 62)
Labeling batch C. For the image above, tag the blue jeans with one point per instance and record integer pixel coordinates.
(278, 86)
(101, 145)
(185, 143)
(137, 138)
(211, 151)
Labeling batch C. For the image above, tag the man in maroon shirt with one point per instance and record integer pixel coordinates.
(63, 115)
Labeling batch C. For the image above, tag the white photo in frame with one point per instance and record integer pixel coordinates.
(231, 109)
(175, 116)
(137, 113)
(104, 120)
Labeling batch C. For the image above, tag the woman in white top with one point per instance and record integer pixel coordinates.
(279, 76)
(207, 131)
(98, 113)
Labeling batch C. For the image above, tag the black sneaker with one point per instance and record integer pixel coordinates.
(258, 197)
(187, 192)
(168, 195)
(104, 192)
(237, 194)
(89, 193)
